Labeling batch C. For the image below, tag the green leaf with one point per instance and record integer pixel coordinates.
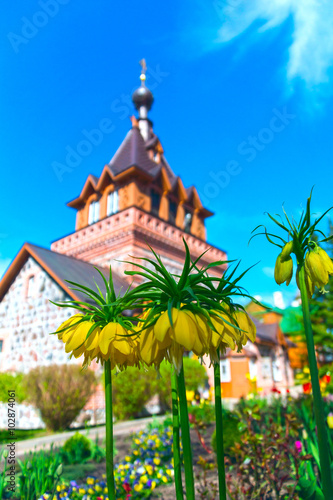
(307, 487)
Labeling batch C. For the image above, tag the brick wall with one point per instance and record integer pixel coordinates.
(27, 318)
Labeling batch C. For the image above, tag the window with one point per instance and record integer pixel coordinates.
(277, 372)
(155, 202)
(225, 370)
(252, 368)
(172, 212)
(266, 367)
(112, 203)
(187, 222)
(93, 212)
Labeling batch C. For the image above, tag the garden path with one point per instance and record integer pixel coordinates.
(120, 428)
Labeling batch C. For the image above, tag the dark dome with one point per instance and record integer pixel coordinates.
(142, 97)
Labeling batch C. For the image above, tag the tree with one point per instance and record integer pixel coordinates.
(60, 392)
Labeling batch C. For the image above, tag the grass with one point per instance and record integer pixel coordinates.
(21, 434)
(78, 471)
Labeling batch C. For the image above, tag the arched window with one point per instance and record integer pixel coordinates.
(172, 211)
(112, 203)
(93, 212)
(187, 221)
(155, 202)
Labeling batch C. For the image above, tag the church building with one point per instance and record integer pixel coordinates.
(137, 199)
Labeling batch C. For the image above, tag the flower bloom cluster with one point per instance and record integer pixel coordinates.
(149, 465)
(189, 331)
(317, 266)
(84, 337)
(191, 312)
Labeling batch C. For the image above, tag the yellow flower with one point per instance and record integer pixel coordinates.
(73, 332)
(246, 324)
(287, 250)
(283, 270)
(152, 352)
(118, 345)
(112, 342)
(188, 331)
(318, 266)
(190, 395)
(225, 333)
(183, 331)
(330, 421)
(326, 259)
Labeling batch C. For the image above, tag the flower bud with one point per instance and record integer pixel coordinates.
(59, 470)
(326, 260)
(316, 268)
(287, 250)
(283, 270)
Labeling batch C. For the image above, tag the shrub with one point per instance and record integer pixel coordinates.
(77, 449)
(132, 389)
(12, 382)
(203, 412)
(231, 433)
(195, 377)
(59, 392)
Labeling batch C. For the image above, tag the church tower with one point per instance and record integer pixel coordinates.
(136, 200)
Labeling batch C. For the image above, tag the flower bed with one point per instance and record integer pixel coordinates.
(148, 466)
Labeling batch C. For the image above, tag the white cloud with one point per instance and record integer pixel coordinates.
(311, 49)
(268, 271)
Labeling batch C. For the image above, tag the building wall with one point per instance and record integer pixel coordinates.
(127, 233)
(27, 318)
(239, 385)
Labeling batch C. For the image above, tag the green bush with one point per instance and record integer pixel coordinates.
(60, 392)
(132, 389)
(231, 433)
(9, 382)
(203, 412)
(195, 377)
(77, 449)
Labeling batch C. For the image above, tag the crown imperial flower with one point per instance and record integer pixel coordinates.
(283, 271)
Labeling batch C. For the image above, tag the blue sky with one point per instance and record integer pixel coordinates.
(242, 106)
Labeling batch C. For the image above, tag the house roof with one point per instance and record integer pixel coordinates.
(60, 268)
(267, 332)
(133, 156)
(132, 152)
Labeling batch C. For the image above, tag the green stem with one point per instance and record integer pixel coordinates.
(324, 453)
(109, 431)
(176, 442)
(219, 430)
(186, 440)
